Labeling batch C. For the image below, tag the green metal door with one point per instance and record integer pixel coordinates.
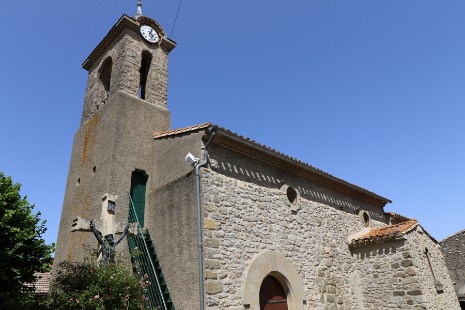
(138, 185)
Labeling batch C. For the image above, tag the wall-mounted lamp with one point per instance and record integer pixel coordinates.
(191, 160)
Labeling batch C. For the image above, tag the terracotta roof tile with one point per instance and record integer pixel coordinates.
(168, 133)
(385, 233)
(397, 218)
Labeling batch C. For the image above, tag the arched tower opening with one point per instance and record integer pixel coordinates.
(105, 76)
(144, 73)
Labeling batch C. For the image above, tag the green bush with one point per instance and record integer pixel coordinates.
(86, 286)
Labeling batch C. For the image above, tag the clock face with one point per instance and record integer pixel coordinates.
(149, 34)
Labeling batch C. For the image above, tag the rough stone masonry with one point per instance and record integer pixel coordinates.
(247, 212)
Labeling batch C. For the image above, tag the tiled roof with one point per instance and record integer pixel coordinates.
(169, 133)
(383, 234)
(42, 283)
(397, 218)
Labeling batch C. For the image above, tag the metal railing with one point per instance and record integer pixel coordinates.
(143, 264)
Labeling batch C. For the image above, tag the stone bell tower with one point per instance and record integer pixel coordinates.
(124, 104)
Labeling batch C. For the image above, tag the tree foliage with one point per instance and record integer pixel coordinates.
(83, 285)
(23, 251)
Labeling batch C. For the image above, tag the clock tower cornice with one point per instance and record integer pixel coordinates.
(126, 22)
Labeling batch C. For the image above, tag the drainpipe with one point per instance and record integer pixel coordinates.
(197, 165)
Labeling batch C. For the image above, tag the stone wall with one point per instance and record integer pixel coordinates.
(106, 150)
(378, 276)
(436, 284)
(126, 55)
(397, 274)
(247, 212)
(453, 249)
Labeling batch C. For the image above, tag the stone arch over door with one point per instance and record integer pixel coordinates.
(275, 264)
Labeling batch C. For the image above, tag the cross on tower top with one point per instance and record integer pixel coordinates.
(139, 9)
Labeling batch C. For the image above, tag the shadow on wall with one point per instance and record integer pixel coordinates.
(276, 179)
(462, 305)
(380, 250)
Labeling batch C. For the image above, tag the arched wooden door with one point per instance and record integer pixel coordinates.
(272, 295)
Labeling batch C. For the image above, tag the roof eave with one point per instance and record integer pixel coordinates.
(239, 144)
(385, 234)
(236, 143)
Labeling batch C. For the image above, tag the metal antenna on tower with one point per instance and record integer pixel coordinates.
(139, 9)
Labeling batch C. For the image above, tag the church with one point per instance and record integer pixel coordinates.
(224, 222)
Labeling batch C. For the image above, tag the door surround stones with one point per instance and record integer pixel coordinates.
(275, 264)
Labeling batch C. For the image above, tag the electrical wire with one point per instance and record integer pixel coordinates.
(176, 18)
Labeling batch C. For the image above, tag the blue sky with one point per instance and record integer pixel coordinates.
(372, 92)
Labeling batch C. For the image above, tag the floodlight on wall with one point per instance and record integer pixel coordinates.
(191, 160)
